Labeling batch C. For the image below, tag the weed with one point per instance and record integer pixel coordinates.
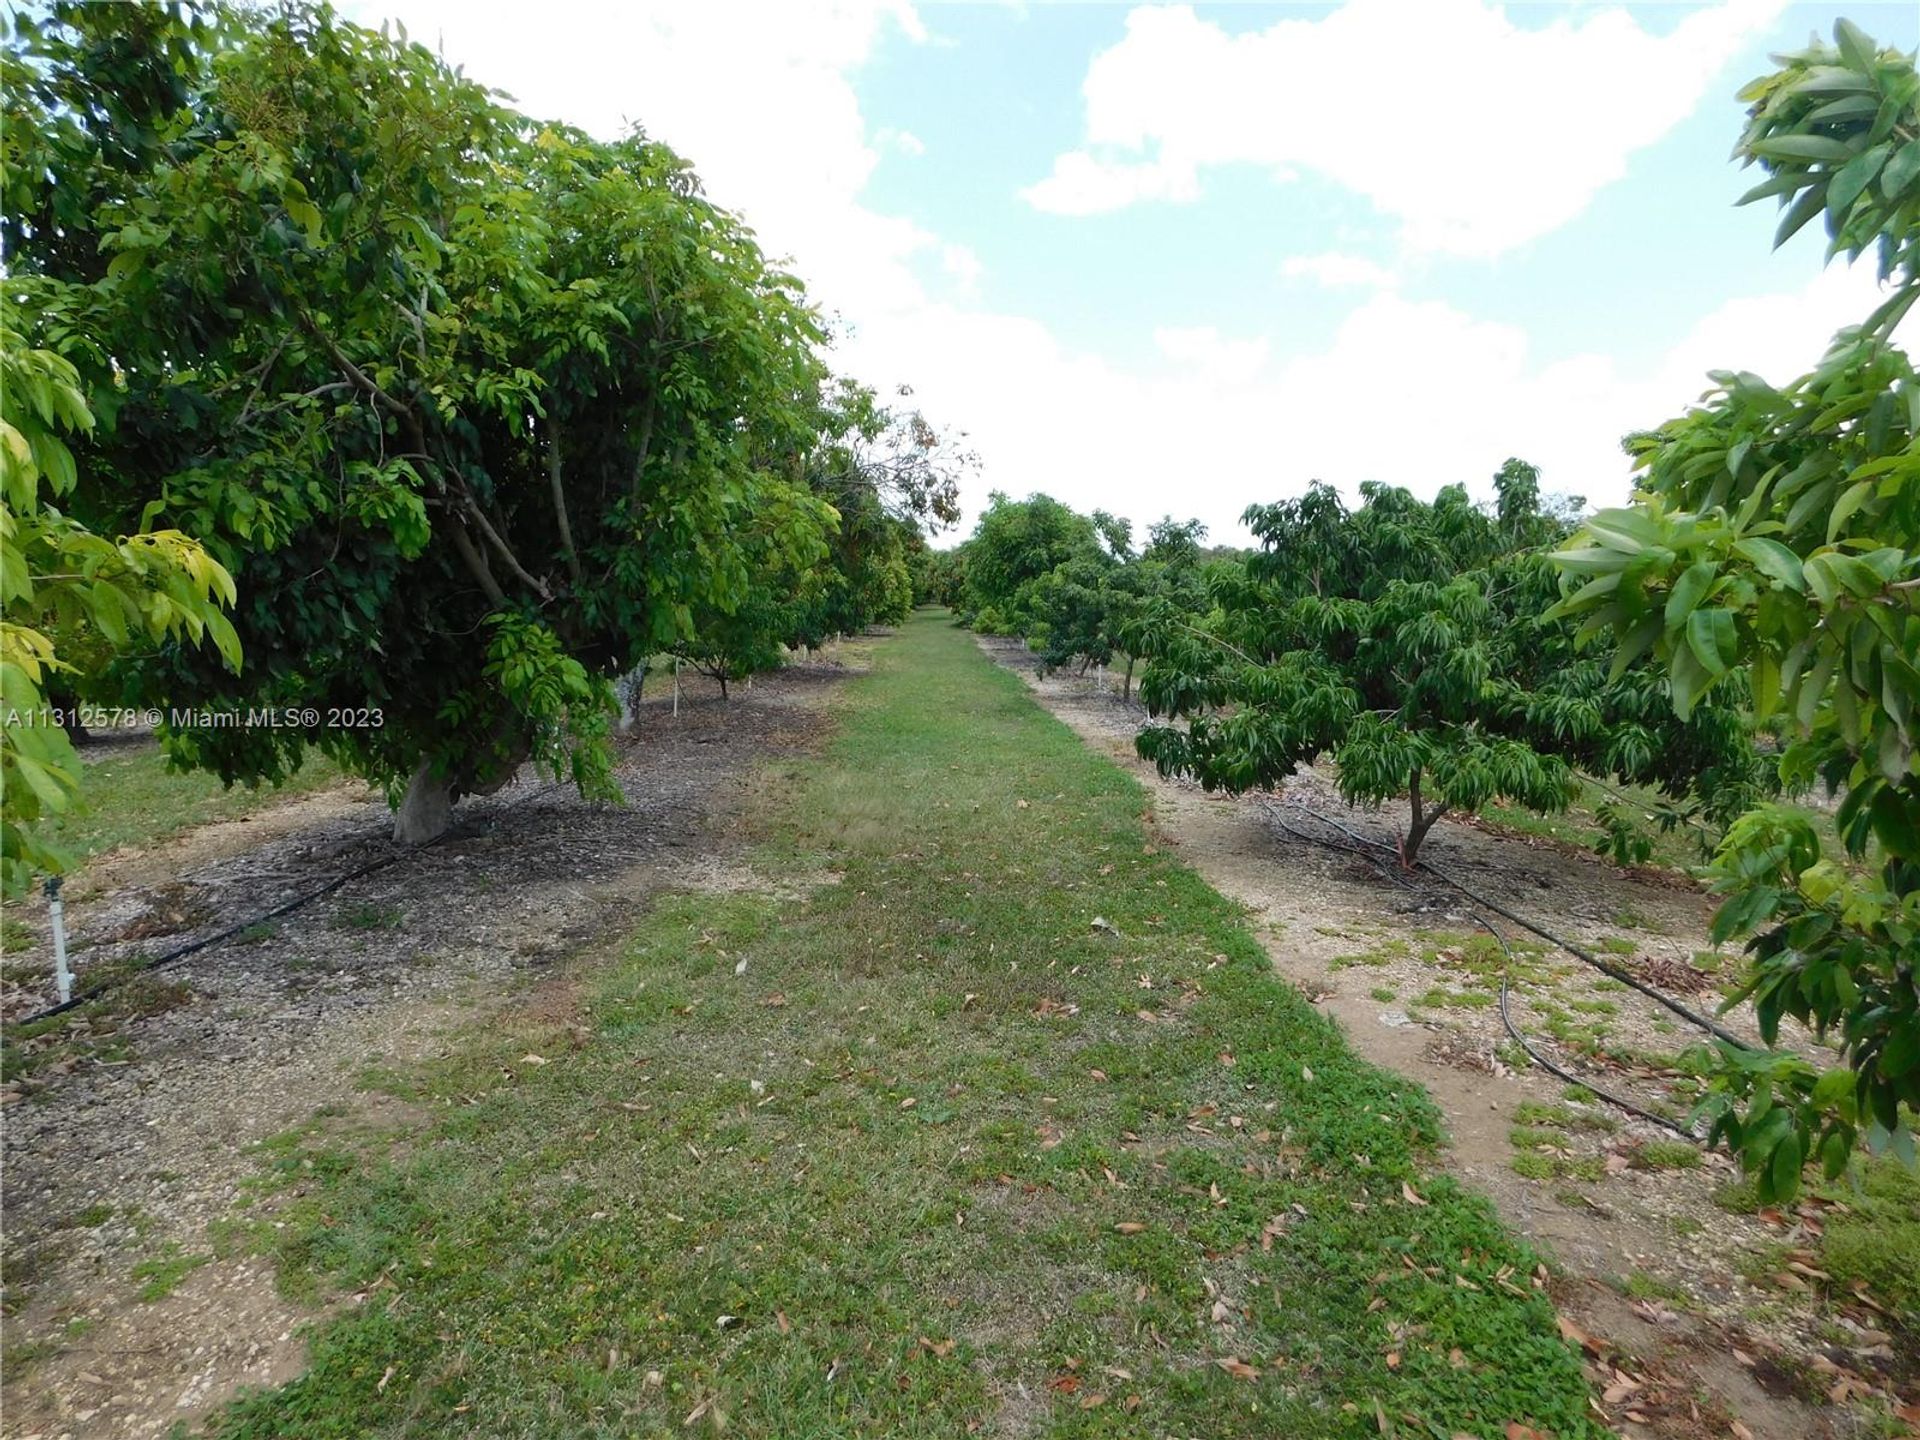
(163, 1272)
(366, 915)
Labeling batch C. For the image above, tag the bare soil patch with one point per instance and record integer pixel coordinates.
(129, 1132)
(1696, 1318)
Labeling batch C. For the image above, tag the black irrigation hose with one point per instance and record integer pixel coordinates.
(1606, 967)
(1506, 1016)
(174, 957)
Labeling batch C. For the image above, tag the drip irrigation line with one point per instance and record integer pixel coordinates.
(174, 957)
(1506, 972)
(1605, 967)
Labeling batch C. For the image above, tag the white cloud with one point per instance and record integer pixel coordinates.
(1415, 393)
(1475, 134)
(1083, 185)
(1335, 271)
(903, 141)
(760, 98)
(1202, 352)
(961, 265)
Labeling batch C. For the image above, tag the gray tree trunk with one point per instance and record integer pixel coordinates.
(426, 810)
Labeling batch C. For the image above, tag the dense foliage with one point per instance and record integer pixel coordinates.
(1776, 543)
(64, 589)
(1403, 639)
(478, 412)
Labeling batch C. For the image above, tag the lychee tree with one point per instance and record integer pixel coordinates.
(1402, 640)
(1774, 548)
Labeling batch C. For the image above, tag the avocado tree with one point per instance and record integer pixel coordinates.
(1774, 547)
(1402, 639)
(471, 408)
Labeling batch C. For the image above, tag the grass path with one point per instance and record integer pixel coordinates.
(925, 1153)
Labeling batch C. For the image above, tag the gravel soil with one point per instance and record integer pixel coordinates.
(129, 1131)
(1693, 1317)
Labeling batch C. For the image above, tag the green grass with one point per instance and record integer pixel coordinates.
(1667, 1155)
(949, 1159)
(1876, 1240)
(132, 799)
(160, 1275)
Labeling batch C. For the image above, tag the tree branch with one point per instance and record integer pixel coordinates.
(646, 441)
(476, 563)
(560, 504)
(503, 550)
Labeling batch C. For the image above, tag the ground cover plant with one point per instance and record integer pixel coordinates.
(925, 1150)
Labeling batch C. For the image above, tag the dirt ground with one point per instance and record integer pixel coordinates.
(1695, 1321)
(128, 1140)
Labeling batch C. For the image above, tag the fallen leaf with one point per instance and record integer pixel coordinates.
(533, 1060)
(780, 1319)
(1238, 1368)
(1129, 1227)
(1410, 1195)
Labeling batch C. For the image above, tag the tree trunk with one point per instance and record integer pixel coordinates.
(723, 684)
(1126, 686)
(1420, 822)
(426, 809)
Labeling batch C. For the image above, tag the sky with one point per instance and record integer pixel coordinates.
(1181, 259)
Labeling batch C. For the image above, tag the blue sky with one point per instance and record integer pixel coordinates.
(1177, 259)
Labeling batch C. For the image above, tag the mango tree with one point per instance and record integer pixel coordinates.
(58, 579)
(470, 407)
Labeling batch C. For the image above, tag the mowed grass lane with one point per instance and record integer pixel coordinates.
(924, 1153)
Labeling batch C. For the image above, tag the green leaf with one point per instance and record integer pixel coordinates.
(1855, 45)
(1847, 107)
(1801, 147)
(1853, 178)
(1850, 500)
(1773, 560)
(306, 215)
(1689, 590)
(1802, 210)
(1714, 640)
(1624, 530)
(1784, 1169)
(1901, 170)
